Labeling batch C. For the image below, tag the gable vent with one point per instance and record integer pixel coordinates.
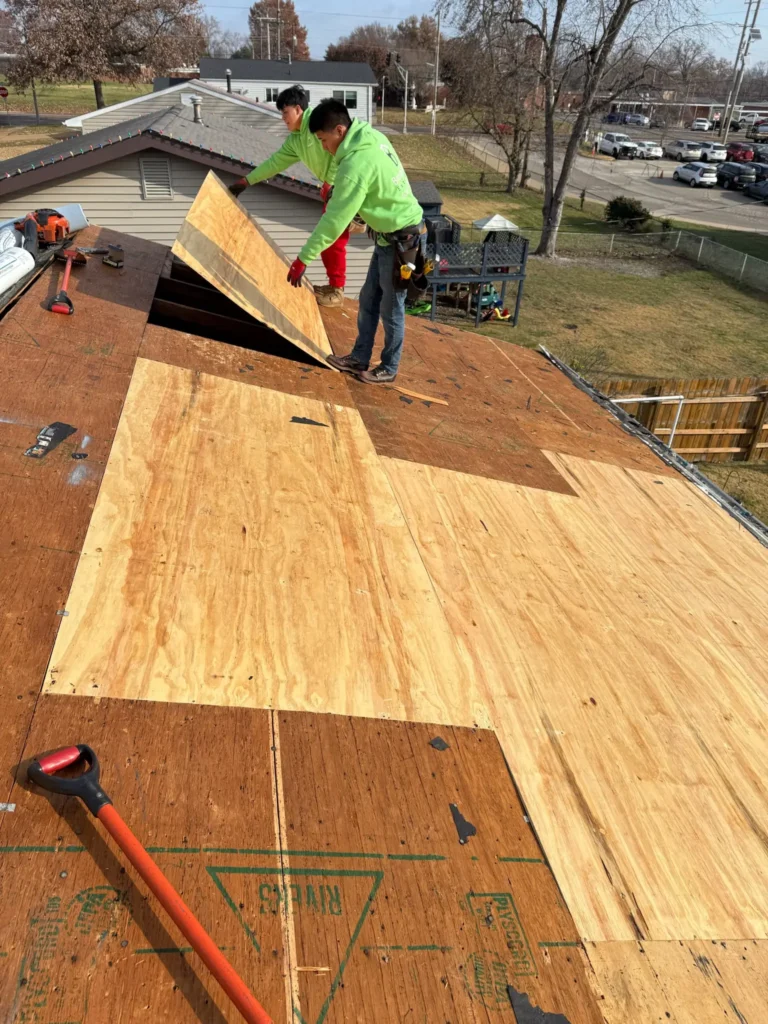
(155, 178)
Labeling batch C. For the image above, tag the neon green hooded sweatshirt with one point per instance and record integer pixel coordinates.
(299, 146)
(370, 180)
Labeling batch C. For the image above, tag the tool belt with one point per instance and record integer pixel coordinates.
(408, 268)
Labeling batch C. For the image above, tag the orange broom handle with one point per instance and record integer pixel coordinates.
(86, 786)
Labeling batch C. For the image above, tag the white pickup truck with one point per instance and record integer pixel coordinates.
(616, 144)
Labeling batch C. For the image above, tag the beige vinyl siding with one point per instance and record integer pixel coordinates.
(217, 106)
(111, 196)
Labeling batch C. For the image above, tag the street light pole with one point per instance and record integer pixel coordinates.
(437, 68)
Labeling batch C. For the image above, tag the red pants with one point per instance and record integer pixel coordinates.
(335, 260)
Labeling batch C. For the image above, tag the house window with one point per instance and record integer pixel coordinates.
(155, 178)
(348, 98)
(272, 95)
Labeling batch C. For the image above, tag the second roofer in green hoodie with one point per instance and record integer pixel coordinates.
(370, 182)
(302, 145)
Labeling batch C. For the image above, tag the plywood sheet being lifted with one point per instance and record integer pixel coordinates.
(247, 549)
(220, 241)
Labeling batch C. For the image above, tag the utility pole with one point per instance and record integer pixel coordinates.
(278, 29)
(747, 33)
(437, 69)
(404, 77)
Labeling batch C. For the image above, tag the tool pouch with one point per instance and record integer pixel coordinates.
(408, 265)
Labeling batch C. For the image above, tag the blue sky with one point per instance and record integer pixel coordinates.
(326, 20)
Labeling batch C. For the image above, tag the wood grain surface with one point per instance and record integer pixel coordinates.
(177, 348)
(391, 917)
(247, 549)
(506, 405)
(220, 242)
(73, 370)
(623, 666)
(88, 943)
(682, 982)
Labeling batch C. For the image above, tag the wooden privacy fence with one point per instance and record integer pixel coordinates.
(715, 419)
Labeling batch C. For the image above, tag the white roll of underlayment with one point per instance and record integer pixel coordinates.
(14, 264)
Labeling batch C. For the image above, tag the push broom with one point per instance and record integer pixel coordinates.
(42, 771)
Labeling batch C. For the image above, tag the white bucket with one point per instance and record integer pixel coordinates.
(14, 264)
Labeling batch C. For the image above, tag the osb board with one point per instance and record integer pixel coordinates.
(220, 242)
(625, 670)
(682, 982)
(87, 943)
(247, 548)
(451, 925)
(244, 365)
(73, 370)
(505, 405)
(322, 855)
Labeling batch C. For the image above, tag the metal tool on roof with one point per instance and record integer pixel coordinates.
(61, 303)
(42, 770)
(114, 257)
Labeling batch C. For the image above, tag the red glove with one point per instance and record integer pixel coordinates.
(325, 191)
(296, 272)
(238, 186)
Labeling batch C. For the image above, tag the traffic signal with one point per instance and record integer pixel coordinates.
(389, 59)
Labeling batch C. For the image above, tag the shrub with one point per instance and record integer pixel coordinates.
(627, 212)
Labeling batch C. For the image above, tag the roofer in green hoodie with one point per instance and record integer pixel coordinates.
(302, 145)
(370, 182)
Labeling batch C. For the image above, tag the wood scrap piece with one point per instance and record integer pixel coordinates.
(221, 243)
(418, 395)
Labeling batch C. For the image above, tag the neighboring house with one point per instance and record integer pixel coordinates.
(352, 83)
(216, 102)
(142, 176)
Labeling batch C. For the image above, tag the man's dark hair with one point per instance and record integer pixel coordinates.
(327, 115)
(293, 96)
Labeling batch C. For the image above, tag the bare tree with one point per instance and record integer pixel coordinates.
(366, 44)
(601, 39)
(221, 42)
(493, 71)
(126, 40)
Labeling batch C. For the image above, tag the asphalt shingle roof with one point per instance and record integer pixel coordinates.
(303, 72)
(240, 143)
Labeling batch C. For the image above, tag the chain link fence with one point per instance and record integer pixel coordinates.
(721, 259)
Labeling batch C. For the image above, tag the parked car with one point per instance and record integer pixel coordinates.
(614, 118)
(740, 152)
(657, 122)
(650, 150)
(697, 175)
(760, 169)
(682, 150)
(701, 124)
(759, 132)
(713, 152)
(735, 175)
(757, 191)
(618, 145)
(640, 119)
(761, 154)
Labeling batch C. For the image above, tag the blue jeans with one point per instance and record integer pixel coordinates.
(379, 299)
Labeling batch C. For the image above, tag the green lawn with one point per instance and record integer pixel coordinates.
(71, 99)
(747, 483)
(683, 322)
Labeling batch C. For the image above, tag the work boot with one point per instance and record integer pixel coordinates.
(378, 375)
(329, 296)
(347, 364)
